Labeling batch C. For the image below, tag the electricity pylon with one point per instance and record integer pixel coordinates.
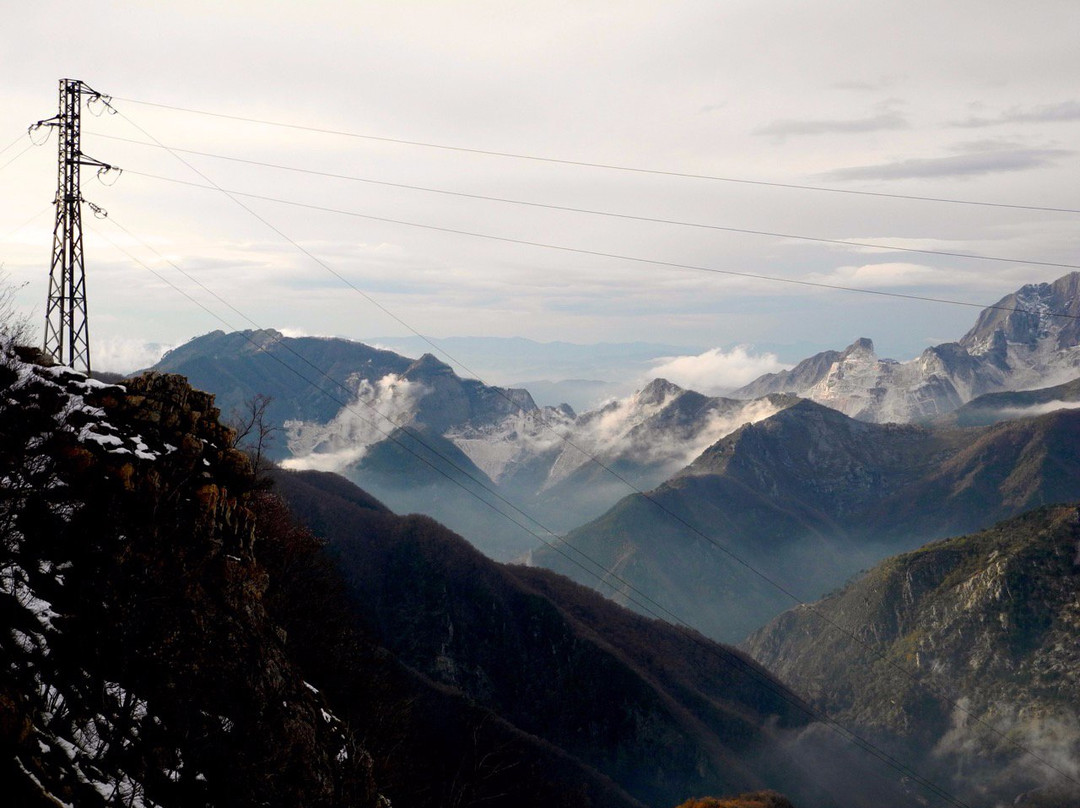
(67, 338)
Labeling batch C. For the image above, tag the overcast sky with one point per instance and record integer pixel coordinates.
(968, 100)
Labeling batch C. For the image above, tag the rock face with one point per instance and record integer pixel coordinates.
(967, 647)
(1027, 339)
(138, 665)
(807, 498)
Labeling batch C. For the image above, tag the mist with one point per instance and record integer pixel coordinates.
(345, 440)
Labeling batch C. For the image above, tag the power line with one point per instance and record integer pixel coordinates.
(16, 157)
(671, 264)
(649, 606)
(12, 143)
(528, 203)
(664, 509)
(604, 166)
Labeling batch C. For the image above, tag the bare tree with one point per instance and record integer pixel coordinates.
(254, 431)
(15, 328)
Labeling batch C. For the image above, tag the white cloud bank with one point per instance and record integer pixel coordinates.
(345, 440)
(717, 371)
(1038, 409)
(125, 354)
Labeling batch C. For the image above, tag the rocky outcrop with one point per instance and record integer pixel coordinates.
(138, 665)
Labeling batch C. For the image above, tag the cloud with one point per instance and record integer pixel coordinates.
(126, 354)
(371, 417)
(1063, 111)
(958, 165)
(625, 428)
(893, 275)
(716, 371)
(874, 123)
(882, 83)
(1037, 409)
(297, 333)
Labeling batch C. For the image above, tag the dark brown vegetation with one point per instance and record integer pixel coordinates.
(760, 799)
(139, 662)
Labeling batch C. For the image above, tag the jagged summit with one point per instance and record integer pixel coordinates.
(1025, 317)
(1030, 338)
(862, 347)
(428, 366)
(657, 392)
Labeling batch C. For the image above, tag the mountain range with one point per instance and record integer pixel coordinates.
(1030, 338)
(419, 437)
(423, 439)
(788, 508)
(182, 631)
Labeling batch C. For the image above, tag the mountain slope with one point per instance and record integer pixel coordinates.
(989, 621)
(661, 711)
(994, 407)
(808, 497)
(173, 638)
(237, 366)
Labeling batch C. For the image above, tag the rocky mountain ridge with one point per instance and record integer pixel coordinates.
(414, 433)
(1027, 339)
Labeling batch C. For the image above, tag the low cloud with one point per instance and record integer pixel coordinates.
(973, 164)
(717, 371)
(124, 354)
(1009, 413)
(376, 410)
(893, 275)
(1047, 742)
(873, 123)
(1063, 111)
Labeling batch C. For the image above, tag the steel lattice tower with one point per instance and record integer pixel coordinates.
(67, 338)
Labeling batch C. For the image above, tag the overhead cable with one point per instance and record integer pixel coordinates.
(674, 264)
(16, 157)
(528, 203)
(604, 166)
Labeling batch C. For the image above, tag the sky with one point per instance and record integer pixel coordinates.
(972, 101)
